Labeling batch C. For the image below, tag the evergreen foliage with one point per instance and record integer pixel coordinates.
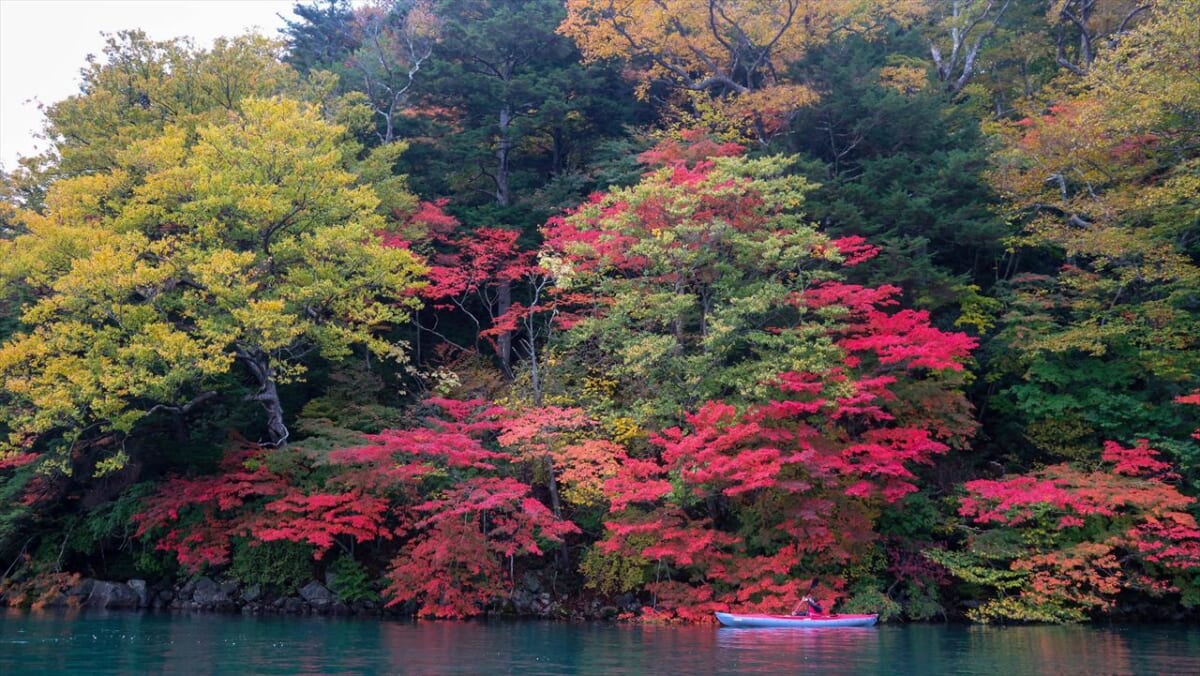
(669, 305)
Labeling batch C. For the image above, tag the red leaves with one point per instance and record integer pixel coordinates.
(855, 298)
(514, 519)
(855, 249)
(721, 453)
(1137, 461)
(250, 500)
(593, 248)
(433, 219)
(806, 466)
(320, 518)
(1132, 518)
(694, 146)
(1017, 500)
(637, 481)
(1194, 400)
(1171, 539)
(449, 572)
(1084, 537)
(18, 460)
(473, 262)
(450, 567)
(905, 337)
(815, 459)
(449, 541)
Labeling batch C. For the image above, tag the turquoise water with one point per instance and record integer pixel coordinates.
(118, 643)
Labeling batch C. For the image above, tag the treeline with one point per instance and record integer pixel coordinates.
(663, 305)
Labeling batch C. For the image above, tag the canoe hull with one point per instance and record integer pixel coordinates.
(795, 622)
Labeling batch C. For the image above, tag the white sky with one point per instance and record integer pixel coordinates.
(44, 44)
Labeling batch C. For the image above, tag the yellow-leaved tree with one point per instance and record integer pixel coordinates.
(143, 85)
(1106, 179)
(244, 244)
(737, 51)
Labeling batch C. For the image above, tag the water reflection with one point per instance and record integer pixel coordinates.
(1055, 650)
(846, 650)
(114, 643)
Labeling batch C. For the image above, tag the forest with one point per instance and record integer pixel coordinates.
(629, 310)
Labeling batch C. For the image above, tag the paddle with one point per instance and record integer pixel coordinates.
(813, 606)
(811, 587)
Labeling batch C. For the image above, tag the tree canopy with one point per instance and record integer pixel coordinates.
(634, 309)
(248, 244)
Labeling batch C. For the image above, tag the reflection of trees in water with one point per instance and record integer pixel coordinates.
(49, 643)
(1057, 650)
(847, 650)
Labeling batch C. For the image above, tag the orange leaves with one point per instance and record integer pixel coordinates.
(694, 42)
(734, 50)
(449, 573)
(582, 463)
(1087, 536)
(451, 566)
(692, 146)
(535, 432)
(1087, 575)
(585, 466)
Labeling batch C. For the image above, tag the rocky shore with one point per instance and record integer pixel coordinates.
(205, 594)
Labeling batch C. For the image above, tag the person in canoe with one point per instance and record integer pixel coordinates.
(807, 604)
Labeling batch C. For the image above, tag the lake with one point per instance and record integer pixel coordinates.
(48, 643)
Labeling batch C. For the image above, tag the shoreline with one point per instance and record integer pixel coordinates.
(207, 596)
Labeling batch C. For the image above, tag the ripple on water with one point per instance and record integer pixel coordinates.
(129, 643)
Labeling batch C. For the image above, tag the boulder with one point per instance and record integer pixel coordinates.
(163, 599)
(111, 595)
(531, 582)
(317, 595)
(209, 594)
(522, 601)
(139, 588)
(252, 593)
(82, 589)
(184, 593)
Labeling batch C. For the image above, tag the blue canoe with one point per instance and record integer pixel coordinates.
(795, 621)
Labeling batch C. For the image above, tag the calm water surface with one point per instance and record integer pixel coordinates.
(118, 643)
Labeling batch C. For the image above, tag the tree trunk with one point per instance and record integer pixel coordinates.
(503, 149)
(503, 199)
(504, 340)
(560, 151)
(258, 363)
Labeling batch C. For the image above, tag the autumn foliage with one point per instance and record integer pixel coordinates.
(1075, 540)
(456, 517)
(761, 483)
(680, 307)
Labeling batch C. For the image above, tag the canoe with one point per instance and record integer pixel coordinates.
(795, 621)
